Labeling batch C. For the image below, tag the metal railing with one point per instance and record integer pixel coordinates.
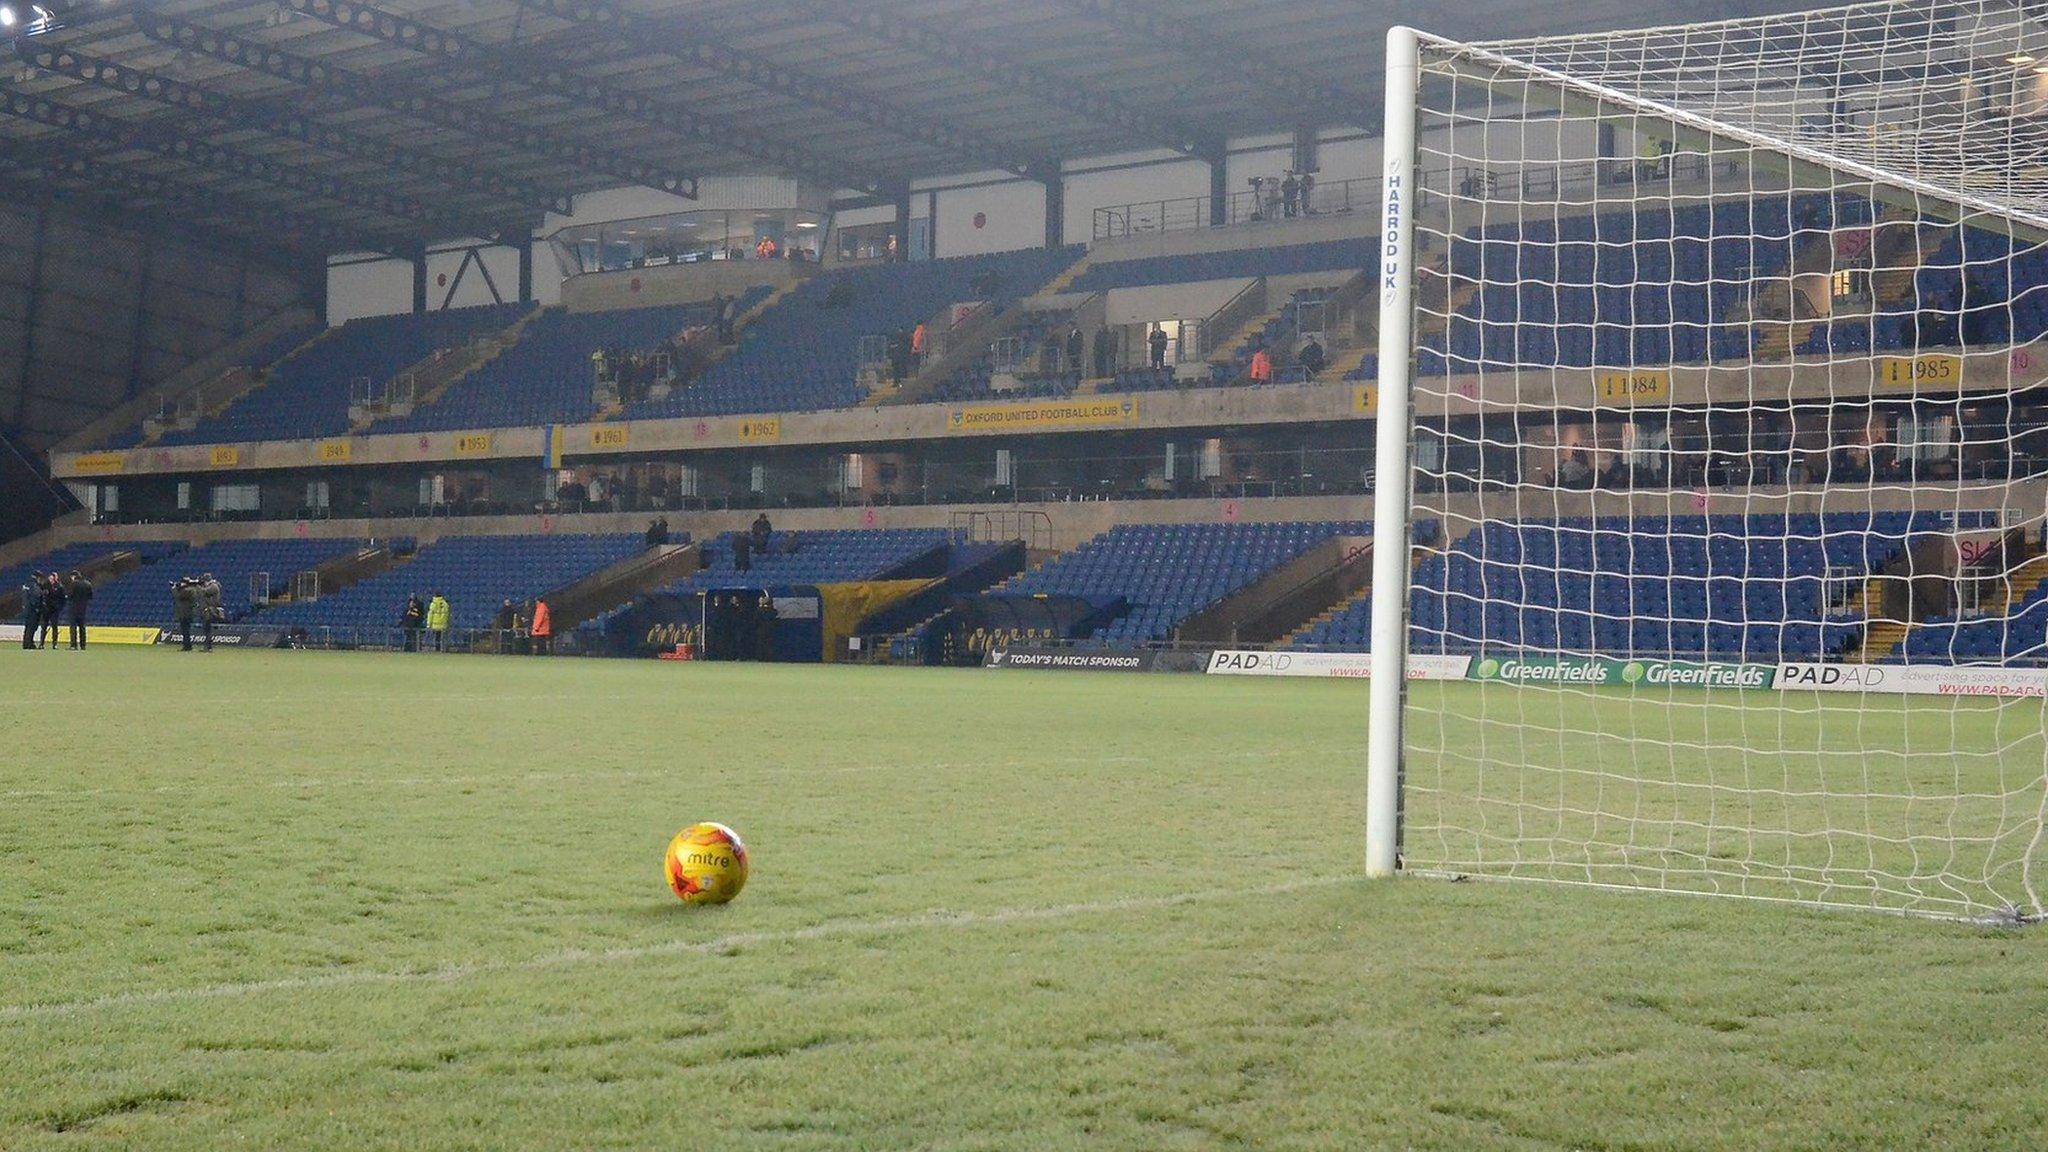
(1264, 203)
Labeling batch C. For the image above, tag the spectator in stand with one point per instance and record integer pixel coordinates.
(542, 629)
(742, 553)
(1290, 195)
(1262, 367)
(1105, 353)
(505, 625)
(1311, 358)
(765, 250)
(899, 355)
(1075, 342)
(81, 602)
(759, 533)
(657, 532)
(437, 622)
(53, 609)
(917, 341)
(1157, 342)
(411, 619)
(31, 609)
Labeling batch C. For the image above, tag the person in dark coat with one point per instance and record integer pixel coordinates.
(1105, 353)
(1157, 342)
(185, 604)
(504, 625)
(758, 534)
(764, 629)
(742, 553)
(411, 620)
(31, 609)
(1075, 344)
(1311, 357)
(80, 600)
(53, 609)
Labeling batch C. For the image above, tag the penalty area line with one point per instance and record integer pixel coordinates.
(573, 957)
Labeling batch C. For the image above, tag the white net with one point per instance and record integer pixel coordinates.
(1728, 435)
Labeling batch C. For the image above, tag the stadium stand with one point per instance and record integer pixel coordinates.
(1169, 572)
(1296, 259)
(143, 595)
(1758, 588)
(70, 557)
(308, 394)
(1039, 362)
(804, 353)
(546, 377)
(475, 573)
(795, 558)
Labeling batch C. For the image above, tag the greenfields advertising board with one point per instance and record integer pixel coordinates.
(1598, 671)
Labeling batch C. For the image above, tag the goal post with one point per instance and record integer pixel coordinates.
(1711, 486)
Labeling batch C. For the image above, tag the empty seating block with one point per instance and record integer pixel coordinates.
(795, 558)
(475, 573)
(73, 556)
(1169, 572)
(144, 595)
(308, 394)
(804, 354)
(1754, 588)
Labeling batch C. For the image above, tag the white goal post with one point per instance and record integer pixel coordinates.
(1712, 460)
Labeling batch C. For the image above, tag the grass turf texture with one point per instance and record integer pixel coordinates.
(359, 901)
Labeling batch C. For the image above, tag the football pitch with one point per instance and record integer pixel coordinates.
(342, 901)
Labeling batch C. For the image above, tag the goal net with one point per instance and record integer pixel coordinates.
(1711, 358)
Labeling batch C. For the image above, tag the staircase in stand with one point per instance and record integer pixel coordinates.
(1881, 635)
(433, 376)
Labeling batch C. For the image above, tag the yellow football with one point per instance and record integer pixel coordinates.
(706, 864)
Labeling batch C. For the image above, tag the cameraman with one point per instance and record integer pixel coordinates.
(185, 603)
(209, 606)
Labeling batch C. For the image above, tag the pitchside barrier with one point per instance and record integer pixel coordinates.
(10, 634)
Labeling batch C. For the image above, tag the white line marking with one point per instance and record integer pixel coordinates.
(622, 774)
(450, 973)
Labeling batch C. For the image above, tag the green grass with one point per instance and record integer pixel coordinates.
(337, 901)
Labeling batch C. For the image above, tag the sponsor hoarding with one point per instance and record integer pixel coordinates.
(1329, 665)
(1596, 670)
(1085, 659)
(1913, 679)
(94, 634)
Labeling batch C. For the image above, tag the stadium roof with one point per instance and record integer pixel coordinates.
(303, 126)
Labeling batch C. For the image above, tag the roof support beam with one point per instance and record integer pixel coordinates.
(409, 100)
(548, 73)
(962, 55)
(284, 230)
(692, 44)
(232, 160)
(239, 114)
(1303, 101)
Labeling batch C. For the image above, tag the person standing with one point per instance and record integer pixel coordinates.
(81, 602)
(543, 629)
(411, 620)
(759, 533)
(31, 609)
(1075, 343)
(742, 552)
(506, 623)
(53, 609)
(185, 603)
(764, 629)
(1157, 342)
(1262, 366)
(1290, 195)
(437, 621)
(209, 606)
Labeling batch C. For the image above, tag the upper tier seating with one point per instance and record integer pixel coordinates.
(1754, 588)
(1239, 263)
(1618, 289)
(262, 356)
(803, 354)
(1169, 572)
(475, 573)
(546, 377)
(144, 595)
(308, 394)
